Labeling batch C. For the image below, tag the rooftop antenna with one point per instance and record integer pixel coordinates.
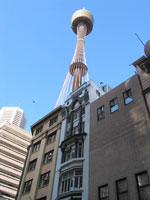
(139, 39)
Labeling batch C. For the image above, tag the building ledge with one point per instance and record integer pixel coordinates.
(73, 163)
(70, 194)
(72, 138)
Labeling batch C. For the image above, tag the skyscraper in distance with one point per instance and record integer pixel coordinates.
(14, 115)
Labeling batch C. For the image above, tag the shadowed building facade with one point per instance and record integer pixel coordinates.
(120, 140)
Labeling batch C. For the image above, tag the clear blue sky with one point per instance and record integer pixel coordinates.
(37, 46)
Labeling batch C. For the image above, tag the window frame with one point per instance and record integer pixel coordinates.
(71, 181)
(30, 163)
(76, 114)
(73, 151)
(121, 192)
(146, 185)
(37, 143)
(42, 177)
(25, 192)
(125, 98)
(52, 136)
(53, 120)
(99, 193)
(39, 130)
(45, 161)
(113, 100)
(101, 108)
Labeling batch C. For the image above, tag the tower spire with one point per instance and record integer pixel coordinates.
(82, 25)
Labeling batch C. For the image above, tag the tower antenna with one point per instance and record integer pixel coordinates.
(139, 39)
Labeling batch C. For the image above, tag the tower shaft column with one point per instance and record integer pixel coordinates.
(78, 67)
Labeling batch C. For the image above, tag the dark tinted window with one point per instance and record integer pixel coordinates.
(122, 189)
(32, 165)
(44, 179)
(27, 186)
(143, 185)
(103, 192)
(100, 113)
(36, 146)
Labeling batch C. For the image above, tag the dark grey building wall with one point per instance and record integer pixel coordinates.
(120, 142)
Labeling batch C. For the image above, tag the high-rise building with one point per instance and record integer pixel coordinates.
(39, 169)
(14, 142)
(13, 115)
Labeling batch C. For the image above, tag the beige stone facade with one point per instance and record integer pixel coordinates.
(13, 149)
(39, 171)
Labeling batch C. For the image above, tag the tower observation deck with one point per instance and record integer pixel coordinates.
(82, 25)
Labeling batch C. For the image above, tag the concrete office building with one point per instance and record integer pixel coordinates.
(13, 115)
(13, 149)
(120, 139)
(39, 170)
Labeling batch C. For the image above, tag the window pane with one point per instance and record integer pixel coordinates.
(38, 130)
(48, 157)
(76, 182)
(80, 181)
(44, 179)
(122, 185)
(51, 138)
(71, 180)
(78, 172)
(104, 192)
(143, 179)
(127, 96)
(100, 112)
(113, 105)
(36, 147)
(32, 165)
(83, 110)
(145, 193)
(27, 186)
(114, 108)
(53, 120)
(115, 101)
(128, 100)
